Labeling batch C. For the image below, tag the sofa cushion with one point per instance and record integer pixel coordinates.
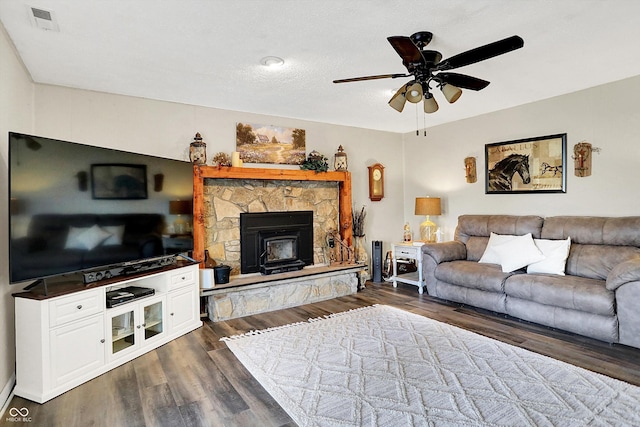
(470, 274)
(575, 293)
(597, 261)
(580, 322)
(474, 230)
(590, 230)
(555, 256)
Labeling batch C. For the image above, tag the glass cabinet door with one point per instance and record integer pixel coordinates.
(153, 320)
(122, 331)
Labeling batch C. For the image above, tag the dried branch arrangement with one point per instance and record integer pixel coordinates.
(358, 222)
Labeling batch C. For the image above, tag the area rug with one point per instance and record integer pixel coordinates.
(382, 366)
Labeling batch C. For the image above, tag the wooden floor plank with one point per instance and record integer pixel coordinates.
(196, 380)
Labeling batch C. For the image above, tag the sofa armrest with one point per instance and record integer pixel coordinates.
(436, 253)
(625, 272)
(150, 246)
(444, 252)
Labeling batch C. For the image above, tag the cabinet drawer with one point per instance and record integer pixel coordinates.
(184, 277)
(76, 306)
(406, 252)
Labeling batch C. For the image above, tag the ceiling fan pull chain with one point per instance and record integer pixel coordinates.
(417, 124)
(424, 123)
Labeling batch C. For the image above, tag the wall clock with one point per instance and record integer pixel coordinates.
(376, 182)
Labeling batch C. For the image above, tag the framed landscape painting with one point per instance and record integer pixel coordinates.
(258, 143)
(532, 165)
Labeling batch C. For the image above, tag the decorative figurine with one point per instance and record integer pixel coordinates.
(198, 151)
(340, 160)
(406, 235)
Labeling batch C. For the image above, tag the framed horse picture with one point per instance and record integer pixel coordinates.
(532, 165)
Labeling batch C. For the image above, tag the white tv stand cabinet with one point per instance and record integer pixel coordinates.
(69, 337)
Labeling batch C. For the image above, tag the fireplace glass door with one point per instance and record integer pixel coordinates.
(278, 249)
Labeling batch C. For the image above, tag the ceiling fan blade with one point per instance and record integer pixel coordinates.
(481, 53)
(463, 81)
(408, 51)
(379, 76)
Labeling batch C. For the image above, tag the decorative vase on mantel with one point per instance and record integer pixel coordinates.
(360, 245)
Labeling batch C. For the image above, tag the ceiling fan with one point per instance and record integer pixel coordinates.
(427, 67)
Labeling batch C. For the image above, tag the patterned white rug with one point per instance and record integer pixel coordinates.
(381, 366)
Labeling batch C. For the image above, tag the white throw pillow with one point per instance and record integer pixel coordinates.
(117, 231)
(85, 237)
(555, 252)
(517, 253)
(490, 256)
(72, 238)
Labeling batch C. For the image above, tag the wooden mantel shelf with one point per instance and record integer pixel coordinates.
(200, 173)
(264, 173)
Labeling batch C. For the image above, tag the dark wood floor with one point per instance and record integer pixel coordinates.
(196, 381)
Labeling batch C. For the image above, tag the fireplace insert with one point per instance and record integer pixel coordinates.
(275, 242)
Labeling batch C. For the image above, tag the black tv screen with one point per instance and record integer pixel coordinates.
(76, 207)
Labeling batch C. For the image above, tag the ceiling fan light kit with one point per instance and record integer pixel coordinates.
(414, 93)
(398, 100)
(430, 104)
(426, 66)
(451, 92)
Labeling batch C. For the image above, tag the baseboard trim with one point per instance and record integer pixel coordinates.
(7, 393)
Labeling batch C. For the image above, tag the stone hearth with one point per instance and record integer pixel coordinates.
(231, 302)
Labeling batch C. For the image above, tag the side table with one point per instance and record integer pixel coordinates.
(409, 250)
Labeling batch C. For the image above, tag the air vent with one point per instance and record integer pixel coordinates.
(43, 19)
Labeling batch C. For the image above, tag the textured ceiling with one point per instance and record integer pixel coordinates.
(207, 52)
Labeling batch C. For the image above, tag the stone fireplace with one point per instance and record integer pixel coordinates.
(225, 200)
(221, 195)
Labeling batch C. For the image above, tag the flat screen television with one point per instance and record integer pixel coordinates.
(76, 207)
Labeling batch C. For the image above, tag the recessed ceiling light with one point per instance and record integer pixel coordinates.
(272, 61)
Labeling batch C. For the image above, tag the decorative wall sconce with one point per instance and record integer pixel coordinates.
(470, 170)
(582, 152)
(158, 180)
(16, 206)
(82, 181)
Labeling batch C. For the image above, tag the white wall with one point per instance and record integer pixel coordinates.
(16, 106)
(607, 116)
(166, 129)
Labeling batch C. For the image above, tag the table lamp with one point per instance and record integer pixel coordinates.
(428, 206)
(180, 207)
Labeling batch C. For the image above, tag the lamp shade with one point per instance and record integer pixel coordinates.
(428, 206)
(414, 93)
(430, 104)
(180, 207)
(451, 92)
(398, 100)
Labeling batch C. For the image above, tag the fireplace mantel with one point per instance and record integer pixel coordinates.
(200, 173)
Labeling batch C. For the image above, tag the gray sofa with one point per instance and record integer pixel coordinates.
(598, 297)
